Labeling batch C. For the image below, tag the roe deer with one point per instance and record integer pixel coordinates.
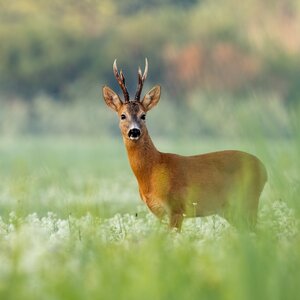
(228, 183)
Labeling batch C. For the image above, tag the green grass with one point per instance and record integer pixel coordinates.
(72, 226)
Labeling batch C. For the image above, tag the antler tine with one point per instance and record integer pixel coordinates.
(122, 76)
(141, 79)
(121, 80)
(146, 69)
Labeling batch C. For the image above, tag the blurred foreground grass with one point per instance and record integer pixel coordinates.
(72, 227)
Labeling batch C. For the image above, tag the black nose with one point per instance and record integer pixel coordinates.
(134, 133)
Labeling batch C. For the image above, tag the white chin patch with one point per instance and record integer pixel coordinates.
(134, 138)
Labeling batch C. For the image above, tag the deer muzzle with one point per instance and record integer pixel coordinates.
(134, 133)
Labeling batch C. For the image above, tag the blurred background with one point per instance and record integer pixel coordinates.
(223, 65)
(72, 225)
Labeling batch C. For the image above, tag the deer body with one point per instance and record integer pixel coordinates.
(228, 183)
(195, 186)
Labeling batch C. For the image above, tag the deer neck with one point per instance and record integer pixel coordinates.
(143, 156)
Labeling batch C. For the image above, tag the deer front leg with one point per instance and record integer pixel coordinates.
(157, 209)
(176, 221)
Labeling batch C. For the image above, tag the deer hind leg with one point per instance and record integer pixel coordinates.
(246, 200)
(243, 213)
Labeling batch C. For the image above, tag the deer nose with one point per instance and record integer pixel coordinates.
(134, 133)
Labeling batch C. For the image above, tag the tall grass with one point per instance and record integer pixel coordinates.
(72, 225)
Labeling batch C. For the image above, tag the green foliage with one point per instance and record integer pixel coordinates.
(72, 227)
(71, 222)
(202, 115)
(50, 46)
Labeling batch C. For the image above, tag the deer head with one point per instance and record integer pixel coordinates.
(132, 113)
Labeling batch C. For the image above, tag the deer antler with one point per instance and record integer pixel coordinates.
(121, 80)
(141, 79)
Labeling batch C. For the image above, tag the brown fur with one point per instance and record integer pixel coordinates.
(228, 183)
(198, 185)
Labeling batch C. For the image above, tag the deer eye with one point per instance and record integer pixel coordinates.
(143, 117)
(123, 117)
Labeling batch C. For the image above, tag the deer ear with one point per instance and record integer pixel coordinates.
(151, 98)
(111, 99)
